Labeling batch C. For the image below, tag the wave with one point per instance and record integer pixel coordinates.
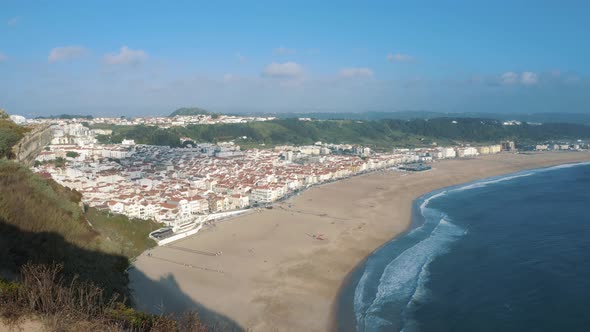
(493, 180)
(388, 304)
(430, 197)
(584, 163)
(404, 278)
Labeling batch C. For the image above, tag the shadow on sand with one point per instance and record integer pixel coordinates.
(18, 247)
(164, 296)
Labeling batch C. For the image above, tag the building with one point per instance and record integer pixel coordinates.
(448, 153)
(508, 146)
(483, 150)
(496, 148)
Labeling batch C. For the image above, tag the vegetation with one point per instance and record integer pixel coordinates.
(43, 222)
(189, 111)
(64, 304)
(381, 134)
(127, 237)
(10, 134)
(72, 260)
(72, 154)
(560, 117)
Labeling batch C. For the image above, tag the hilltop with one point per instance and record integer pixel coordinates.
(189, 111)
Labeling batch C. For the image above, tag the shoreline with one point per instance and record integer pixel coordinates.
(342, 313)
(279, 278)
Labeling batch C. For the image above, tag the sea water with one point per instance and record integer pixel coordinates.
(509, 253)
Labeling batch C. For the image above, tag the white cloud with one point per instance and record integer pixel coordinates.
(13, 21)
(509, 77)
(3, 57)
(126, 56)
(283, 51)
(283, 70)
(529, 78)
(356, 72)
(66, 53)
(399, 57)
(525, 78)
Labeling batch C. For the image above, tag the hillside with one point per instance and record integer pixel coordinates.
(70, 266)
(380, 134)
(188, 111)
(43, 222)
(10, 134)
(68, 263)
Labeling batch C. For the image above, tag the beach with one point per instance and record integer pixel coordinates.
(281, 269)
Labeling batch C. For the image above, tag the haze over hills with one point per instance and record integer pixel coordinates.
(541, 117)
(411, 115)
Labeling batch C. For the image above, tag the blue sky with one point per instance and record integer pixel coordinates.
(150, 57)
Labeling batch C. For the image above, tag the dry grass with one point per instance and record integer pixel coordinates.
(44, 293)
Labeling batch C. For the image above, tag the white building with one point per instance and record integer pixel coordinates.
(448, 153)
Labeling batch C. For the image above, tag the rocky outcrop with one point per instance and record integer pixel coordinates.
(27, 149)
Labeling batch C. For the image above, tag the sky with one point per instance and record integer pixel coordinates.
(116, 58)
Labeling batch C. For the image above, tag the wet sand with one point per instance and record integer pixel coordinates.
(273, 275)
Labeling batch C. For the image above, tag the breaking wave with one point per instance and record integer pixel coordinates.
(402, 281)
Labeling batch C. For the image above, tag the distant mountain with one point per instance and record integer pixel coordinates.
(189, 111)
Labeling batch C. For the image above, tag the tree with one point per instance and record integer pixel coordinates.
(72, 154)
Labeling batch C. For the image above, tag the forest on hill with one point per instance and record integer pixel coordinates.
(383, 133)
(189, 111)
(553, 117)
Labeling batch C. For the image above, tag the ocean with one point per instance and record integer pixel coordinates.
(509, 253)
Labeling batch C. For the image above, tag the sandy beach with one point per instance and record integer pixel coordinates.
(273, 274)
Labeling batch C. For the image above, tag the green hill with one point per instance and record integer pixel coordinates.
(384, 133)
(72, 264)
(189, 111)
(50, 214)
(561, 117)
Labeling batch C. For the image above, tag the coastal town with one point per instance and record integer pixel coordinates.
(287, 166)
(182, 187)
(160, 121)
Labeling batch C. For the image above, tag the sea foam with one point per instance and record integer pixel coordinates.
(402, 283)
(403, 279)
